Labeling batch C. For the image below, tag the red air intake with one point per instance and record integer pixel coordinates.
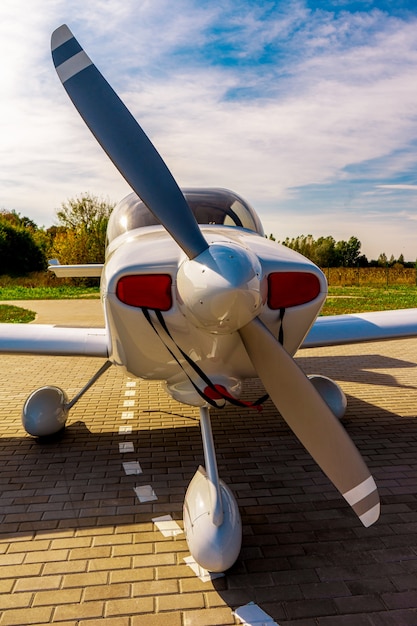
(152, 291)
(287, 289)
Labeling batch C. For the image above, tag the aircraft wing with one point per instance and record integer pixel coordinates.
(334, 330)
(52, 340)
(91, 270)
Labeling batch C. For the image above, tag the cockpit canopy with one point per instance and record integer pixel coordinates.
(210, 206)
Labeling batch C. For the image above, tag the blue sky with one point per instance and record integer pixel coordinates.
(307, 109)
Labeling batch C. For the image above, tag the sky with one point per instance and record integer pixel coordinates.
(307, 109)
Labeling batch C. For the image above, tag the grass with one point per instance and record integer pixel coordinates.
(19, 292)
(10, 314)
(362, 299)
(13, 314)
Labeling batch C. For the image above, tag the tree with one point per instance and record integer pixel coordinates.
(348, 252)
(19, 253)
(382, 260)
(81, 236)
(17, 220)
(304, 244)
(324, 252)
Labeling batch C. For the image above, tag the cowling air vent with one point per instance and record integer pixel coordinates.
(151, 291)
(287, 289)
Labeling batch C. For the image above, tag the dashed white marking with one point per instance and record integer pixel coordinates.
(125, 430)
(132, 467)
(145, 493)
(199, 571)
(167, 526)
(252, 615)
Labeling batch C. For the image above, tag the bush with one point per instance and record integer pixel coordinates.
(19, 253)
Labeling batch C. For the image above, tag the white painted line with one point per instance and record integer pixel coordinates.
(145, 493)
(167, 526)
(252, 615)
(125, 430)
(126, 446)
(130, 392)
(199, 571)
(127, 415)
(132, 467)
(131, 383)
(129, 403)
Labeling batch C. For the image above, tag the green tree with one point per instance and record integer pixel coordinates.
(382, 260)
(324, 252)
(19, 253)
(17, 220)
(81, 234)
(348, 252)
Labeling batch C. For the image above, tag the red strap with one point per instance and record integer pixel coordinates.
(219, 392)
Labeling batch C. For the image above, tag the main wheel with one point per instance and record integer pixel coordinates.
(44, 412)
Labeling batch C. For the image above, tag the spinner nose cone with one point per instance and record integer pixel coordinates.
(222, 289)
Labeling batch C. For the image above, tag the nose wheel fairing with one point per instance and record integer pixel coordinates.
(215, 548)
(212, 521)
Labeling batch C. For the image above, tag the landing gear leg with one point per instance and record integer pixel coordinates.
(211, 516)
(46, 409)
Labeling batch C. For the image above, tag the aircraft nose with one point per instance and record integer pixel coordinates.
(222, 289)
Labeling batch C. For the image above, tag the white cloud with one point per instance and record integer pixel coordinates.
(398, 187)
(335, 105)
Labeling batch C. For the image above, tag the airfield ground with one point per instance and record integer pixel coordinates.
(78, 548)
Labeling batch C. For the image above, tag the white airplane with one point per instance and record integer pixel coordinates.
(194, 295)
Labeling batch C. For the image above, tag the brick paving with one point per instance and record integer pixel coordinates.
(78, 548)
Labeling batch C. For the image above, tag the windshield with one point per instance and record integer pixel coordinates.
(210, 206)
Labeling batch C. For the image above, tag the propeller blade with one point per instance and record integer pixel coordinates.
(312, 421)
(124, 141)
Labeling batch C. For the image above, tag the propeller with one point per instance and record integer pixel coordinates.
(121, 137)
(312, 421)
(140, 164)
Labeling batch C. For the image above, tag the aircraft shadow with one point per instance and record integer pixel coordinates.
(357, 368)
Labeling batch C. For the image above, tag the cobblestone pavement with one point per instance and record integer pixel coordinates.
(77, 547)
